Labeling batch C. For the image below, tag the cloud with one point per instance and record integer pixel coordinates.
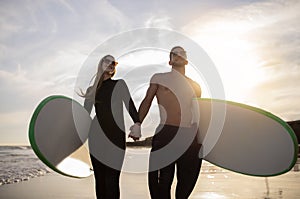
(255, 43)
(166, 14)
(42, 46)
(20, 93)
(49, 41)
(277, 42)
(280, 95)
(159, 21)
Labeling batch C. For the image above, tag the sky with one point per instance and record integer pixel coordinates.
(44, 44)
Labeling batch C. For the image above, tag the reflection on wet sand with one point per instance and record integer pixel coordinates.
(217, 183)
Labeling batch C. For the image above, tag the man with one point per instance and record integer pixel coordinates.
(174, 92)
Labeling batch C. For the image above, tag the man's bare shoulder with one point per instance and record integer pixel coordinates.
(192, 81)
(157, 77)
(195, 86)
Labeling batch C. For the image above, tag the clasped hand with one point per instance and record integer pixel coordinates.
(135, 132)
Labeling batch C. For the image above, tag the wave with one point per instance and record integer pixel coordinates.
(19, 163)
(6, 147)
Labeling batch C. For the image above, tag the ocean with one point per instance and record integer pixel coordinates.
(19, 163)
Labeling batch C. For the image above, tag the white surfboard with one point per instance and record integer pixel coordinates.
(57, 132)
(235, 136)
(246, 139)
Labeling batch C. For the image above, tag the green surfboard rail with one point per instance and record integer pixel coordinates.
(271, 116)
(32, 133)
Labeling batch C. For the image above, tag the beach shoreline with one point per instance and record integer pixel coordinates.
(212, 183)
(53, 185)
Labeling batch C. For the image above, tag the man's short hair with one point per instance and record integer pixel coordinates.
(181, 54)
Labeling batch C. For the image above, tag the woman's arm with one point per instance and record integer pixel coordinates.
(129, 104)
(135, 130)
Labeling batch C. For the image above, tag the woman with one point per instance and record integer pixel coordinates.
(108, 142)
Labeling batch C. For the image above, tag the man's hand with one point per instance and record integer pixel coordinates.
(135, 131)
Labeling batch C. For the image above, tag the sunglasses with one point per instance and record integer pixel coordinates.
(180, 54)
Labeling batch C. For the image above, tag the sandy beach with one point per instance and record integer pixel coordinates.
(214, 183)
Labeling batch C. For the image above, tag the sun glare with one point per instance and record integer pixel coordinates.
(74, 167)
(234, 56)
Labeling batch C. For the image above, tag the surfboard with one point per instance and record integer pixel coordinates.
(235, 136)
(58, 131)
(245, 139)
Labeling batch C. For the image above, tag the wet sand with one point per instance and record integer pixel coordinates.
(213, 183)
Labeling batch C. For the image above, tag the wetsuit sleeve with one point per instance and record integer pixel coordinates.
(129, 102)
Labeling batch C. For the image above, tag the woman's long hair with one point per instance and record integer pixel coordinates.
(99, 77)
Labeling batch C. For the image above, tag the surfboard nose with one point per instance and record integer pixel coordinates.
(58, 130)
(250, 141)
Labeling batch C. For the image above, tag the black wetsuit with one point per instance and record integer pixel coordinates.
(107, 156)
(187, 164)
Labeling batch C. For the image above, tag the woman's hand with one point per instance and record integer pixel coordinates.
(135, 131)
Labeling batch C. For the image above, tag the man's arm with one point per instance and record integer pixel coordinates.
(147, 101)
(195, 109)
